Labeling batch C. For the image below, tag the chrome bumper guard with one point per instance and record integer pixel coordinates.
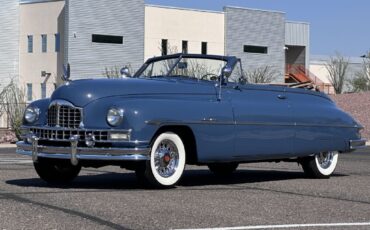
(357, 144)
(75, 153)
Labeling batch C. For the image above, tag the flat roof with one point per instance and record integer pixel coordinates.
(213, 11)
(246, 8)
(297, 22)
(36, 1)
(181, 8)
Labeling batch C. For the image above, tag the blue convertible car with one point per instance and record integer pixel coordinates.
(183, 109)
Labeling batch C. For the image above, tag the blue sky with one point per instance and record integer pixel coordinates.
(336, 25)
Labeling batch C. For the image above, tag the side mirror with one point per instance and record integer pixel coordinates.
(227, 71)
(125, 72)
(66, 72)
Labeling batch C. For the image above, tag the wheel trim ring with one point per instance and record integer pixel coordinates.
(331, 168)
(166, 148)
(325, 159)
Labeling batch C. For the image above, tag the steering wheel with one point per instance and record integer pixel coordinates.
(210, 77)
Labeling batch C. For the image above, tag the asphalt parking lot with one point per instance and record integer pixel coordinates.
(257, 194)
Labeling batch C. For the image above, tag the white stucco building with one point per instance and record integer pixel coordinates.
(42, 35)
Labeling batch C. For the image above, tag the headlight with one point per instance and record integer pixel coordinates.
(114, 116)
(31, 114)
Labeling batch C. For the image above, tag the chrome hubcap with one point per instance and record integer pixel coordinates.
(166, 158)
(325, 159)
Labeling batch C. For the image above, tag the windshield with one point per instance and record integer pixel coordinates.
(189, 67)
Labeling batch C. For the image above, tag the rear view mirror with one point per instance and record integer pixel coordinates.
(182, 65)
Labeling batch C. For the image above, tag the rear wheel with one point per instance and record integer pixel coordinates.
(320, 166)
(223, 168)
(167, 161)
(55, 172)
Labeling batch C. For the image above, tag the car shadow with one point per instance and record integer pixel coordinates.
(191, 178)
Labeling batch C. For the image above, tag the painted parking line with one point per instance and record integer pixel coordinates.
(7, 161)
(333, 225)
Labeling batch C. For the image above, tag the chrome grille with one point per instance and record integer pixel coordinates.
(63, 114)
(65, 135)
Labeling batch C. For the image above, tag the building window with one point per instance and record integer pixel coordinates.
(185, 47)
(44, 43)
(204, 48)
(43, 90)
(29, 91)
(57, 43)
(110, 39)
(30, 43)
(256, 49)
(164, 46)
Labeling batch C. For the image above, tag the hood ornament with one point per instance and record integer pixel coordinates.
(66, 73)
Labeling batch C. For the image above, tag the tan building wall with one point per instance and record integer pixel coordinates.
(176, 25)
(37, 19)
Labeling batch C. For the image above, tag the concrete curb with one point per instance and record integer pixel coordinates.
(7, 146)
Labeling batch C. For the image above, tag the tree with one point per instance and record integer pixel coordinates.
(337, 68)
(12, 103)
(361, 81)
(265, 74)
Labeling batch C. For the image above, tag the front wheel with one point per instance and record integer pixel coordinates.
(56, 172)
(167, 161)
(321, 165)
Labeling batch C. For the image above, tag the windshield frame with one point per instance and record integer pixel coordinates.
(231, 61)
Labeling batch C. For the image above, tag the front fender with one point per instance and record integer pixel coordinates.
(142, 112)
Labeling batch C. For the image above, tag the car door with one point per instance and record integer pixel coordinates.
(264, 128)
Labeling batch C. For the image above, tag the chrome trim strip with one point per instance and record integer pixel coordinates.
(215, 122)
(58, 104)
(25, 130)
(85, 153)
(357, 144)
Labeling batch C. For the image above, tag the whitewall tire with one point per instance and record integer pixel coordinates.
(321, 165)
(167, 160)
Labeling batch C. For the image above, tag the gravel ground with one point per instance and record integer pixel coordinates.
(357, 104)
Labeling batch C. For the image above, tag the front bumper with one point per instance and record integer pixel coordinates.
(75, 154)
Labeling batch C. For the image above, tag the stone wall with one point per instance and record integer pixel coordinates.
(358, 105)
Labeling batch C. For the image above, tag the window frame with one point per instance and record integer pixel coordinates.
(255, 49)
(43, 90)
(29, 43)
(185, 46)
(57, 42)
(29, 92)
(44, 43)
(204, 48)
(107, 39)
(164, 47)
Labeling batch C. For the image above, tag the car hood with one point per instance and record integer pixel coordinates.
(82, 92)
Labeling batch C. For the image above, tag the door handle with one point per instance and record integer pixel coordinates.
(209, 119)
(282, 97)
